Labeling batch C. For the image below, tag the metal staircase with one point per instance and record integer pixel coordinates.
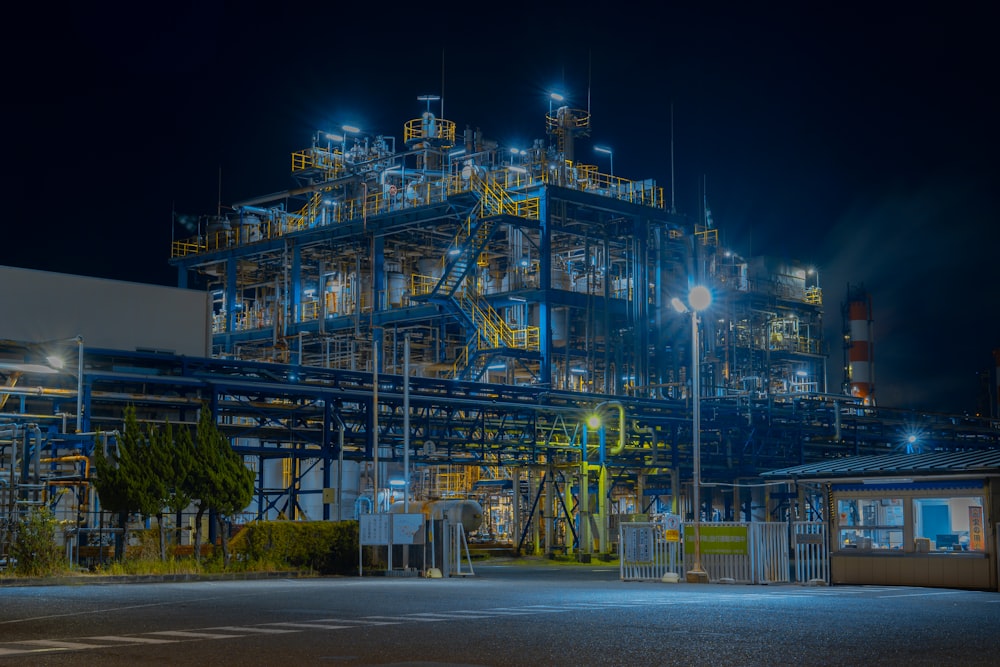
(489, 331)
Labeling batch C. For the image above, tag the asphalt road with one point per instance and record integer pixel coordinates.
(501, 615)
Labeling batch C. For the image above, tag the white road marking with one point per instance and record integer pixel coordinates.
(131, 640)
(191, 634)
(311, 626)
(266, 631)
(58, 644)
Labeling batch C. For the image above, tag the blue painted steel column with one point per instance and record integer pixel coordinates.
(327, 455)
(545, 283)
(230, 302)
(378, 274)
(296, 293)
(640, 295)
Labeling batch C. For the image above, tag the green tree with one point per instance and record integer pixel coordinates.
(154, 457)
(184, 463)
(168, 462)
(222, 484)
(120, 477)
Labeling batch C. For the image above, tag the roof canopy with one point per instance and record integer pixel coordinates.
(935, 464)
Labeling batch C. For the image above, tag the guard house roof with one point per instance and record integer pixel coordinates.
(935, 464)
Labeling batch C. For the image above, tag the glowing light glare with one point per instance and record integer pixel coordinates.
(55, 362)
(593, 421)
(350, 129)
(556, 97)
(602, 149)
(700, 297)
(678, 305)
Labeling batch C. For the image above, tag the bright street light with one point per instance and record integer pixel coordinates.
(610, 153)
(699, 298)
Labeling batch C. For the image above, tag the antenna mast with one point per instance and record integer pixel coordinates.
(590, 77)
(673, 209)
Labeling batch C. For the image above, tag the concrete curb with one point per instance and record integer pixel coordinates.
(103, 579)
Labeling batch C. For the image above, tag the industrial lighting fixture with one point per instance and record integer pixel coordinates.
(610, 153)
(554, 97)
(525, 261)
(699, 298)
(428, 99)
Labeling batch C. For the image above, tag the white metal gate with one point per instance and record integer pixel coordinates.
(744, 552)
(812, 551)
(644, 554)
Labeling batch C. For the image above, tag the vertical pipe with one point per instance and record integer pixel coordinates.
(584, 512)
(375, 479)
(406, 422)
(79, 384)
(340, 468)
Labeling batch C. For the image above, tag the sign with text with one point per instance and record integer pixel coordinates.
(388, 529)
(373, 529)
(977, 542)
(726, 540)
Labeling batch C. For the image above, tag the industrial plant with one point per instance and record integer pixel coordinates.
(439, 317)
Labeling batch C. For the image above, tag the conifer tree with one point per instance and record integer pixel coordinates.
(120, 477)
(221, 482)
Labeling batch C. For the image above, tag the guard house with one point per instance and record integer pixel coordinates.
(919, 519)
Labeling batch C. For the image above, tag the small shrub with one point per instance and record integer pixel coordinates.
(34, 547)
(325, 547)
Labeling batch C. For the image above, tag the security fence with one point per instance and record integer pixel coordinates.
(740, 552)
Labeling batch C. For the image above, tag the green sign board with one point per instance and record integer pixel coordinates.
(726, 540)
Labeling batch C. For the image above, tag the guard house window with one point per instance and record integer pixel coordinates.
(949, 524)
(870, 523)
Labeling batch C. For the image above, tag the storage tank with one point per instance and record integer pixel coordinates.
(469, 512)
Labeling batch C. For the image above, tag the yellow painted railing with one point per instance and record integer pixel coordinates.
(494, 190)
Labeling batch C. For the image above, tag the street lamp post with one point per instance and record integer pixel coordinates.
(699, 299)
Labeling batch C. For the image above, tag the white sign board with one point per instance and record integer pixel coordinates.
(407, 528)
(373, 529)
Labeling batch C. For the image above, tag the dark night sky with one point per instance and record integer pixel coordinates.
(863, 141)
